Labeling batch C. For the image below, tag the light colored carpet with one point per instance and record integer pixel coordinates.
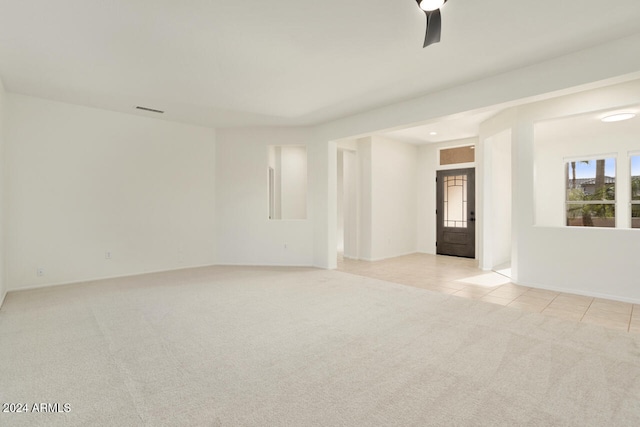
(231, 346)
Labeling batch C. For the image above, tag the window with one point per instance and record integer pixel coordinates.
(591, 193)
(635, 191)
(456, 155)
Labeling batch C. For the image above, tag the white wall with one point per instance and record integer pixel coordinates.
(3, 279)
(293, 179)
(340, 201)
(494, 129)
(61, 224)
(365, 207)
(84, 181)
(501, 200)
(315, 239)
(393, 200)
(590, 261)
(323, 170)
(289, 164)
(580, 137)
(596, 66)
(426, 199)
(350, 203)
(245, 234)
(348, 197)
(274, 154)
(428, 165)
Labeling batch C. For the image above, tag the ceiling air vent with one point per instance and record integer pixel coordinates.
(149, 109)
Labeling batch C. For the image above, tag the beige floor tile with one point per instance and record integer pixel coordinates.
(527, 307)
(496, 300)
(453, 285)
(502, 294)
(613, 306)
(507, 291)
(445, 290)
(526, 298)
(472, 293)
(635, 319)
(442, 274)
(543, 293)
(607, 323)
(610, 315)
(514, 286)
(563, 314)
(577, 300)
(567, 307)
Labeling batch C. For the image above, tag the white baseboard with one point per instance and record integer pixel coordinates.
(241, 264)
(388, 257)
(579, 292)
(531, 285)
(95, 279)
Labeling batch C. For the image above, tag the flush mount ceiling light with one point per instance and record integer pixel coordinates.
(431, 8)
(430, 5)
(617, 117)
(433, 133)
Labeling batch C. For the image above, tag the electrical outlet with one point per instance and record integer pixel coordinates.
(40, 272)
(107, 255)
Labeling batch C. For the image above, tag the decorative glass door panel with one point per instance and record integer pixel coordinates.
(455, 201)
(456, 231)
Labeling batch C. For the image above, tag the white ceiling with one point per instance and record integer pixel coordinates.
(282, 62)
(459, 126)
(588, 127)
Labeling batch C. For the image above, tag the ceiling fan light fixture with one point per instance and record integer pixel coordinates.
(431, 9)
(431, 5)
(617, 117)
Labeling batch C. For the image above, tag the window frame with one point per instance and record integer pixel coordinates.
(632, 202)
(603, 156)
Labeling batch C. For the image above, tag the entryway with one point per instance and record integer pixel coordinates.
(455, 213)
(461, 277)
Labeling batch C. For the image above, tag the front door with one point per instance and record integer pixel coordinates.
(456, 227)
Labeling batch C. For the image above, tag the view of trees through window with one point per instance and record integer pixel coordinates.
(635, 191)
(591, 193)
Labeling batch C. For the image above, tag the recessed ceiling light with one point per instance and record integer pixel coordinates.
(433, 133)
(618, 117)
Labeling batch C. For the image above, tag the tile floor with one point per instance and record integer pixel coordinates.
(462, 277)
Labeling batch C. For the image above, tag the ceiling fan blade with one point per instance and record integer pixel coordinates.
(434, 27)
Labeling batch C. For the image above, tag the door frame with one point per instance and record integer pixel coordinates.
(451, 249)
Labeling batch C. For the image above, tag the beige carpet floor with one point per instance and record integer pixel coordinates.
(232, 346)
